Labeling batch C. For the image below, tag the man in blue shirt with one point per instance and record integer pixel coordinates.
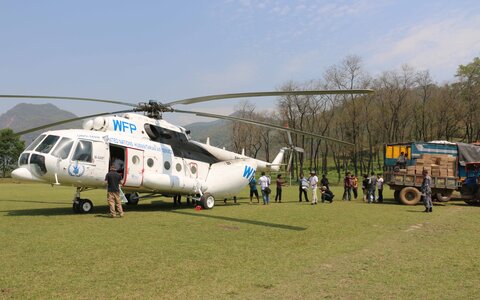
(253, 189)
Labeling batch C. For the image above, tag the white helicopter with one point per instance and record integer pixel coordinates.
(159, 158)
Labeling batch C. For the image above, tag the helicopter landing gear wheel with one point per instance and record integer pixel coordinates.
(132, 198)
(76, 207)
(82, 206)
(207, 201)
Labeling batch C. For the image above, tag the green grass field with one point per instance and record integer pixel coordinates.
(292, 250)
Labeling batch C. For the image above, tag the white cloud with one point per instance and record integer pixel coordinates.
(438, 45)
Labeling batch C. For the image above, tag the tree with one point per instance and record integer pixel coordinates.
(245, 136)
(10, 149)
(469, 76)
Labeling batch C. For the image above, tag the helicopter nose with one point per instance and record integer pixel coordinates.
(24, 174)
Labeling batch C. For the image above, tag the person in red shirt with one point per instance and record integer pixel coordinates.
(347, 187)
(280, 183)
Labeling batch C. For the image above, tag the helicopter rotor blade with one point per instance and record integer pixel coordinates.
(265, 94)
(68, 98)
(68, 121)
(248, 121)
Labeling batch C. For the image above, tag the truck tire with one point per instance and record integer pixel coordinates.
(444, 196)
(410, 195)
(473, 202)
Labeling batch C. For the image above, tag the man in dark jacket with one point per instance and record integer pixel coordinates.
(327, 194)
(324, 181)
(113, 192)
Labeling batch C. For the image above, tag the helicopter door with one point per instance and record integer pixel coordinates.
(133, 167)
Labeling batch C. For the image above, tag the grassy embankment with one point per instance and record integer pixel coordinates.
(291, 250)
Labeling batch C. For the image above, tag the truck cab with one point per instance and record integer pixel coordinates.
(470, 188)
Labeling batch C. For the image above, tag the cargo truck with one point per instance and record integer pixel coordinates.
(451, 166)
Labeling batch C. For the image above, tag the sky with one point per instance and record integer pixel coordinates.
(135, 51)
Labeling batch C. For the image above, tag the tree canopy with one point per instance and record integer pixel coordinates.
(407, 106)
(10, 149)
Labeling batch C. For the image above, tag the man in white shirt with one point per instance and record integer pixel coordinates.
(264, 182)
(380, 188)
(313, 184)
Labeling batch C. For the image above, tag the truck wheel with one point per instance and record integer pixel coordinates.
(473, 202)
(444, 196)
(410, 195)
(396, 196)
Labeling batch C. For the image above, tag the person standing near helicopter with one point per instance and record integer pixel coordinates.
(112, 180)
(264, 182)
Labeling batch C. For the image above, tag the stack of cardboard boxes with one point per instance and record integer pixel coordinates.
(437, 165)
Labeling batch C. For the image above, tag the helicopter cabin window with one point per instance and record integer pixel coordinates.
(35, 142)
(47, 144)
(63, 148)
(178, 167)
(83, 152)
(136, 160)
(193, 169)
(166, 165)
(150, 162)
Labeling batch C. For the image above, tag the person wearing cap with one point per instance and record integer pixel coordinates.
(427, 191)
(313, 180)
(327, 194)
(112, 179)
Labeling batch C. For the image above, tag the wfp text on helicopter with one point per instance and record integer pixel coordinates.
(158, 157)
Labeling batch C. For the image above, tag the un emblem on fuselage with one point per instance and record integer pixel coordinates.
(76, 170)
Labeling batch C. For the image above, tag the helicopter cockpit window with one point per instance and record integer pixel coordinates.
(23, 160)
(47, 144)
(83, 152)
(35, 142)
(63, 148)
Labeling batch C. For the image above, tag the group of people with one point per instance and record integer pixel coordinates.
(370, 185)
(312, 182)
(264, 182)
(304, 185)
